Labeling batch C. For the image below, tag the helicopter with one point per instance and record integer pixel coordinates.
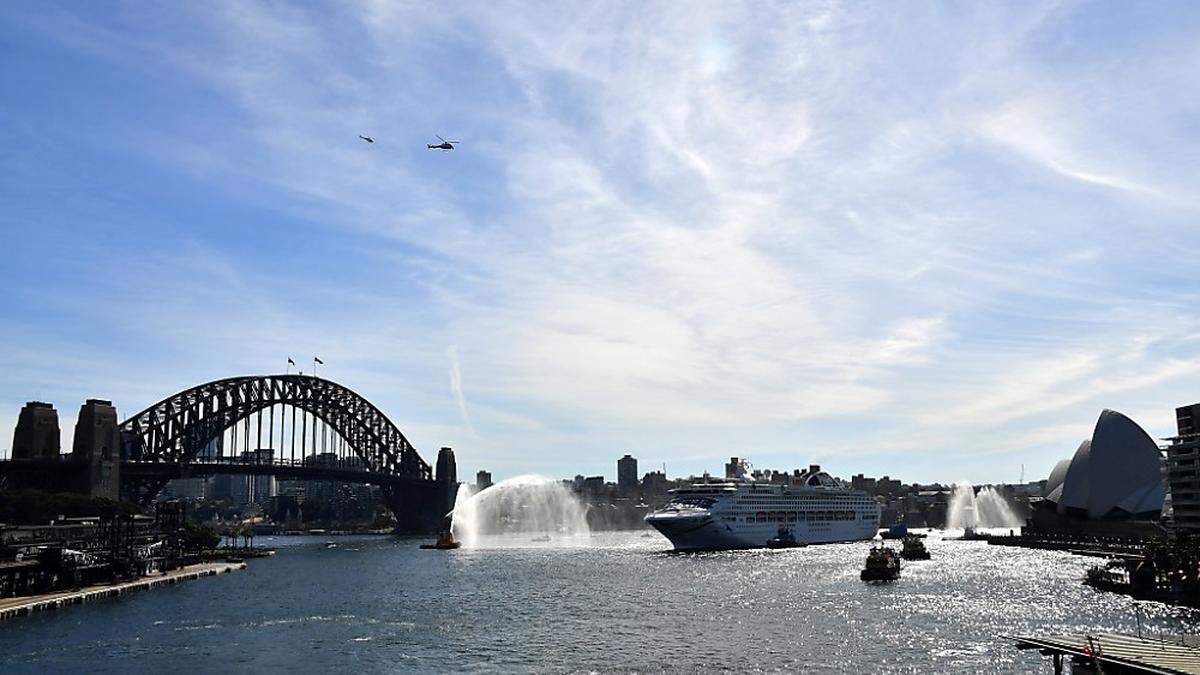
(444, 145)
(367, 138)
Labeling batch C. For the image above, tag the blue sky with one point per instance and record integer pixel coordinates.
(932, 243)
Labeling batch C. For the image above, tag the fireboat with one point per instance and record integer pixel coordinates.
(444, 541)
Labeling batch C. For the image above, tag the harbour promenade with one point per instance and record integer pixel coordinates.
(24, 605)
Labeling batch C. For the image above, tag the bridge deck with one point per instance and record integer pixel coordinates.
(280, 469)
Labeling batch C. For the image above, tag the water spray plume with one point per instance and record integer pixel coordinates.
(987, 509)
(521, 511)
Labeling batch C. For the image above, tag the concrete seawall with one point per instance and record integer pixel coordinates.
(24, 605)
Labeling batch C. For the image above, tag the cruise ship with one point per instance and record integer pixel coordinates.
(814, 508)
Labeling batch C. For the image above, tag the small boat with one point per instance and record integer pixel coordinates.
(883, 564)
(914, 549)
(330, 544)
(969, 534)
(895, 532)
(444, 541)
(784, 539)
(541, 540)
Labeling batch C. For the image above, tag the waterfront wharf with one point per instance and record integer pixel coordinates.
(24, 605)
(1117, 547)
(1173, 655)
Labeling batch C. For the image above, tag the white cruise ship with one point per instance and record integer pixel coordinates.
(813, 509)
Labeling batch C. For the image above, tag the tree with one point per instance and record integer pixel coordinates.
(197, 537)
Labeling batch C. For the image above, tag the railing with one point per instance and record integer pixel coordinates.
(339, 463)
(351, 470)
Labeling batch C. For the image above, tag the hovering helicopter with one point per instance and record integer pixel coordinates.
(444, 145)
(367, 139)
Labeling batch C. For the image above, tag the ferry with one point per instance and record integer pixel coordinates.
(741, 513)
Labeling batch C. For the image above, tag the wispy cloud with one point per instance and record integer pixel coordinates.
(456, 385)
(790, 231)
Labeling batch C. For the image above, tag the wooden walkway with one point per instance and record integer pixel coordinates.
(28, 604)
(1173, 655)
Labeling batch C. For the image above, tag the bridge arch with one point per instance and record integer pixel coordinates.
(176, 429)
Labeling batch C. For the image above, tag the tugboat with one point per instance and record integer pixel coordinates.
(969, 534)
(784, 539)
(444, 541)
(914, 549)
(882, 565)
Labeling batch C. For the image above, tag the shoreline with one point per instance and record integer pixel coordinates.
(25, 605)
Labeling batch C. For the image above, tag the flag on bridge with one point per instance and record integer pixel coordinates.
(316, 360)
(291, 362)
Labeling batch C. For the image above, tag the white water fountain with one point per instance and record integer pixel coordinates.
(987, 509)
(522, 511)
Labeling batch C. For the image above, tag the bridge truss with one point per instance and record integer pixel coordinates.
(288, 425)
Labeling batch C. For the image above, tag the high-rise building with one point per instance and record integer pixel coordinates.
(249, 489)
(262, 488)
(185, 488)
(654, 487)
(887, 486)
(735, 469)
(627, 475)
(483, 480)
(1183, 470)
(196, 487)
(593, 486)
(1187, 419)
(226, 486)
(864, 483)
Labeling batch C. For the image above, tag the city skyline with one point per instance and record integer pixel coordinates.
(907, 245)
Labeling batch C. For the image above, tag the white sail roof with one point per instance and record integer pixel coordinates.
(1119, 469)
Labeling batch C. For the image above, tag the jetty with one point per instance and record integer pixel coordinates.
(25, 605)
(1096, 546)
(1108, 652)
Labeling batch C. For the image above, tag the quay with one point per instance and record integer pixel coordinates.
(22, 606)
(1113, 653)
(1116, 547)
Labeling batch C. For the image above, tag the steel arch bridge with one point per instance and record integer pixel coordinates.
(178, 428)
(182, 435)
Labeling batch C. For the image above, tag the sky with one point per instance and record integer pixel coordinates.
(931, 241)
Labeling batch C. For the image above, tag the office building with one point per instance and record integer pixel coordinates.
(1183, 470)
(627, 475)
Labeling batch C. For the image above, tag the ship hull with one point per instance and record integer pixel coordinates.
(738, 515)
(704, 532)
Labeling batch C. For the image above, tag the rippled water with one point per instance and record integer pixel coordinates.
(621, 604)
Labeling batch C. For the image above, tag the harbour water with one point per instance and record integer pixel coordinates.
(621, 603)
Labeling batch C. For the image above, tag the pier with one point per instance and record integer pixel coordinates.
(1078, 544)
(22, 606)
(1106, 652)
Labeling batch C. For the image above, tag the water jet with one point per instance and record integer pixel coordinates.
(527, 510)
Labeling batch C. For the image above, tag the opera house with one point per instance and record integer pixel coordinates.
(1113, 484)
